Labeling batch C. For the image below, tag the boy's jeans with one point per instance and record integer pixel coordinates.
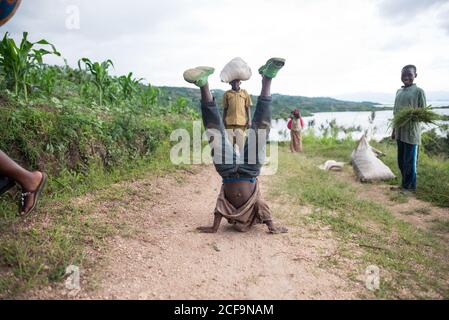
(227, 163)
(408, 162)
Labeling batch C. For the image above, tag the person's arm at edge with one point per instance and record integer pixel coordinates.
(225, 109)
(422, 101)
(249, 104)
(393, 134)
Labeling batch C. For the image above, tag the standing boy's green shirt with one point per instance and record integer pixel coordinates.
(407, 97)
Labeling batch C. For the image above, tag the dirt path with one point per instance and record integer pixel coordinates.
(161, 256)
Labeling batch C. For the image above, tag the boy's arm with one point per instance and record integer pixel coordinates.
(250, 121)
(225, 114)
(395, 110)
(217, 220)
(225, 109)
(249, 104)
(422, 103)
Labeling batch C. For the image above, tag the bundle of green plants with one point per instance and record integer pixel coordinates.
(407, 116)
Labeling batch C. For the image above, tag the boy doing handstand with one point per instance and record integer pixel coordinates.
(240, 199)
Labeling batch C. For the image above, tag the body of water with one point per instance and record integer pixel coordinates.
(378, 130)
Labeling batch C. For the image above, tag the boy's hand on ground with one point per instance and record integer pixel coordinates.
(206, 230)
(277, 230)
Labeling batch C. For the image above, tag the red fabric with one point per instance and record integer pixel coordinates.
(289, 124)
(302, 122)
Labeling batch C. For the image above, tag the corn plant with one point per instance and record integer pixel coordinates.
(99, 71)
(113, 92)
(149, 96)
(16, 62)
(129, 85)
(182, 106)
(46, 78)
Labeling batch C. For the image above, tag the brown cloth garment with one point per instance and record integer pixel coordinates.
(296, 143)
(254, 211)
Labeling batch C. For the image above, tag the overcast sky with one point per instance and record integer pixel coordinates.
(332, 47)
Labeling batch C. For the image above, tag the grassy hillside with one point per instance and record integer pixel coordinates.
(282, 104)
(87, 130)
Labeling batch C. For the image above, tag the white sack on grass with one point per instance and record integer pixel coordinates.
(367, 166)
(236, 69)
(332, 165)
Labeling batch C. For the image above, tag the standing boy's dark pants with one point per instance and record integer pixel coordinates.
(226, 162)
(408, 162)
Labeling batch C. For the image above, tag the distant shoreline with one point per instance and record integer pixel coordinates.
(308, 115)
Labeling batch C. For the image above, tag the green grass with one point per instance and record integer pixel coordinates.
(433, 171)
(398, 197)
(441, 225)
(87, 130)
(83, 149)
(424, 211)
(329, 147)
(433, 174)
(86, 136)
(408, 257)
(37, 252)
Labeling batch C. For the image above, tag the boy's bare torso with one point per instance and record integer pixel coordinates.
(238, 193)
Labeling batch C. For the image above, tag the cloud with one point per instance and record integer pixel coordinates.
(330, 46)
(136, 34)
(400, 11)
(98, 19)
(407, 11)
(397, 43)
(443, 18)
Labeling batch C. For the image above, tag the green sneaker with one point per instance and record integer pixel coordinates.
(198, 75)
(272, 67)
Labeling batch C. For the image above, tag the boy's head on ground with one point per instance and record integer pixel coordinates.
(408, 75)
(235, 84)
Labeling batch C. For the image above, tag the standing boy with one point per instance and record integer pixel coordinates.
(408, 137)
(295, 132)
(237, 113)
(240, 200)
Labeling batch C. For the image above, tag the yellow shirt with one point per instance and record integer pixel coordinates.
(236, 103)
